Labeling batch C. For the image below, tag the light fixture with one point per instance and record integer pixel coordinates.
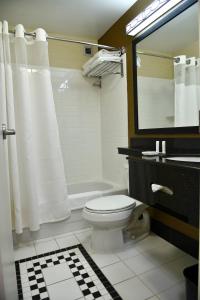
(151, 13)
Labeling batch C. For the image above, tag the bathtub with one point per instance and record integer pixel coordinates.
(80, 193)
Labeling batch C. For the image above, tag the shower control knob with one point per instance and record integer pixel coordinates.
(6, 131)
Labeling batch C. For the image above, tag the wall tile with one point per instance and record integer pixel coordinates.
(114, 127)
(79, 121)
(92, 124)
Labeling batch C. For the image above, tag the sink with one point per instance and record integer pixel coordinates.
(185, 158)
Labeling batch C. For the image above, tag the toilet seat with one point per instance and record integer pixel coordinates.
(110, 204)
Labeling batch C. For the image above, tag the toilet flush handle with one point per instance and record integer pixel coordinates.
(157, 187)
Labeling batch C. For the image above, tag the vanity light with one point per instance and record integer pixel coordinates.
(151, 13)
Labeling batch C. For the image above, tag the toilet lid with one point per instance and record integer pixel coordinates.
(111, 204)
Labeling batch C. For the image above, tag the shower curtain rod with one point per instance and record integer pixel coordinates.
(175, 59)
(158, 55)
(71, 41)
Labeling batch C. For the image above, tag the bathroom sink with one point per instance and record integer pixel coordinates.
(185, 158)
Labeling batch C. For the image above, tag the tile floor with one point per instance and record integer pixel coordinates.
(64, 267)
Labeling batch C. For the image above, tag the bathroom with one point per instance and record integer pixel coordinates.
(99, 159)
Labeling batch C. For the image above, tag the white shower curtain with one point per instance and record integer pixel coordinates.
(187, 91)
(37, 180)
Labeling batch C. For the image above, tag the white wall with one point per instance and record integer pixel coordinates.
(78, 112)
(114, 126)
(155, 102)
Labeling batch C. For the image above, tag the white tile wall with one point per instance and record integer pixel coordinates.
(78, 112)
(114, 126)
(92, 124)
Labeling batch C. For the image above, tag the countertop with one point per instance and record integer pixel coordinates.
(136, 155)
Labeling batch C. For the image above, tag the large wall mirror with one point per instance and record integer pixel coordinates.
(167, 74)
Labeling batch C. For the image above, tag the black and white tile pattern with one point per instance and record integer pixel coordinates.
(92, 283)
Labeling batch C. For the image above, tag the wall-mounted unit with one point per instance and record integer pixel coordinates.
(103, 63)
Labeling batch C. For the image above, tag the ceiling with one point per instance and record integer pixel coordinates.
(82, 18)
(179, 33)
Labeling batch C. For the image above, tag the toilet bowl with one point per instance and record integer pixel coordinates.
(109, 216)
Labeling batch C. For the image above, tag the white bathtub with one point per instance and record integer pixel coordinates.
(80, 193)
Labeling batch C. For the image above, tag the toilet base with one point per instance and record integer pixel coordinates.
(107, 240)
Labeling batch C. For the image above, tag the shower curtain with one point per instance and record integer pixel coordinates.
(36, 172)
(187, 91)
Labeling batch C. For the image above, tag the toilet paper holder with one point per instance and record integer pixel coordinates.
(161, 188)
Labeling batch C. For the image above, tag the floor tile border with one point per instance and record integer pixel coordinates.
(108, 286)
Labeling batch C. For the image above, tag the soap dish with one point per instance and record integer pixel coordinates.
(150, 153)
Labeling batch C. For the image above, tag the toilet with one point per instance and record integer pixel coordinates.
(109, 217)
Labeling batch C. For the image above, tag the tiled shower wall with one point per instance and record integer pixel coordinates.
(78, 113)
(92, 124)
(114, 127)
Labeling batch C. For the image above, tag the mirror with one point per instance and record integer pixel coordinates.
(167, 75)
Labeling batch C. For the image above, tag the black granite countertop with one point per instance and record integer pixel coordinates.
(135, 154)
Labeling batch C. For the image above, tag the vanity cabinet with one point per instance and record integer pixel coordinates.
(184, 182)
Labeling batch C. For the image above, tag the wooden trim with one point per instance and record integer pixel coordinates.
(176, 238)
(165, 130)
(174, 223)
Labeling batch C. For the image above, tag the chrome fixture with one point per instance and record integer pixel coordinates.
(61, 39)
(6, 131)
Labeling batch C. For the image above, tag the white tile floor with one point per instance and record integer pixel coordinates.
(151, 269)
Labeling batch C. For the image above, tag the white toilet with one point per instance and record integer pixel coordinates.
(109, 216)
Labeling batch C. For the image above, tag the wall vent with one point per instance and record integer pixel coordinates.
(88, 51)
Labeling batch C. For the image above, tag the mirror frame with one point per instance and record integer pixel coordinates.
(146, 32)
